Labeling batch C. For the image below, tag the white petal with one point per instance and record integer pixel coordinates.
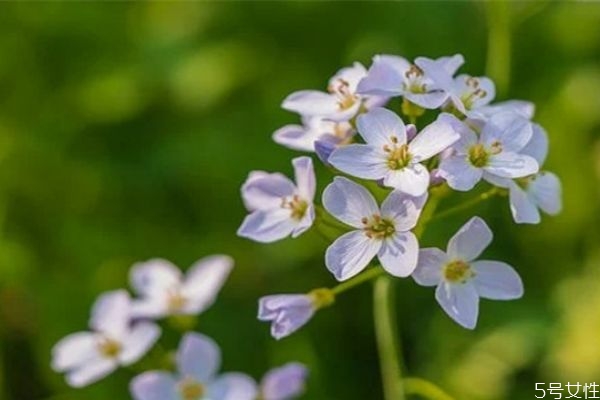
(537, 147)
(486, 84)
(233, 386)
(74, 350)
(350, 254)
(379, 125)
(111, 313)
(296, 137)
(154, 277)
(90, 372)
(150, 307)
(263, 191)
(305, 177)
(498, 181)
(460, 302)
(198, 357)
(349, 202)
(467, 137)
(204, 280)
(267, 226)
(306, 222)
(522, 207)
(435, 138)
(431, 100)
(460, 173)
(524, 108)
(429, 267)
(398, 254)
(385, 76)
(154, 385)
(352, 75)
(360, 160)
(437, 71)
(510, 129)
(403, 209)
(546, 190)
(140, 339)
(470, 240)
(496, 280)
(451, 63)
(311, 102)
(413, 179)
(511, 165)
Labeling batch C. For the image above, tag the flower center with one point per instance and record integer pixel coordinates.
(341, 88)
(413, 80)
(297, 206)
(398, 156)
(109, 348)
(457, 271)
(191, 389)
(378, 228)
(176, 301)
(322, 297)
(478, 155)
(524, 182)
(472, 93)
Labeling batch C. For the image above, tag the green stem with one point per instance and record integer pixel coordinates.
(467, 204)
(385, 331)
(369, 274)
(424, 388)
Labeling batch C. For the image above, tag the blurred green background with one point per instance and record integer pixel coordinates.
(126, 130)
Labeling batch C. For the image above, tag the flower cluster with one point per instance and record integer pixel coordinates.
(464, 139)
(123, 329)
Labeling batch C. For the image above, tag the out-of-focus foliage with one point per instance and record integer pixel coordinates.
(127, 128)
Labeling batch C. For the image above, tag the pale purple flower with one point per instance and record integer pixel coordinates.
(387, 154)
(313, 129)
(383, 232)
(164, 290)
(494, 153)
(461, 279)
(540, 191)
(289, 312)
(198, 360)
(525, 109)
(284, 383)
(340, 103)
(393, 76)
(278, 207)
(86, 357)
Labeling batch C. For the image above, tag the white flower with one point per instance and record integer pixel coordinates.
(313, 129)
(164, 291)
(278, 207)
(461, 280)
(384, 232)
(87, 357)
(387, 153)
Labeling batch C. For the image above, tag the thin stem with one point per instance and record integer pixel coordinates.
(385, 331)
(425, 389)
(369, 274)
(467, 204)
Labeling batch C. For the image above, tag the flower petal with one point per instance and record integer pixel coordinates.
(360, 160)
(349, 202)
(431, 100)
(270, 306)
(511, 130)
(111, 313)
(460, 302)
(403, 209)
(460, 173)
(90, 372)
(350, 254)
(306, 222)
(435, 138)
(154, 385)
(305, 177)
(139, 340)
(264, 191)
(379, 125)
(204, 280)
(154, 277)
(429, 267)
(496, 280)
(511, 165)
(284, 383)
(267, 226)
(462, 87)
(198, 356)
(412, 180)
(311, 102)
(233, 386)
(74, 350)
(385, 76)
(546, 190)
(470, 240)
(524, 108)
(399, 253)
(537, 147)
(296, 137)
(522, 206)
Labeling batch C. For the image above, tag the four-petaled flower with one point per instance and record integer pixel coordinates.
(278, 207)
(314, 129)
(495, 152)
(461, 280)
(87, 357)
(165, 291)
(387, 153)
(198, 360)
(384, 232)
(284, 383)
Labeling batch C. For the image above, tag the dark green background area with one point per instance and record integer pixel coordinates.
(126, 130)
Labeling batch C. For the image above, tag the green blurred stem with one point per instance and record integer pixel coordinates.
(384, 314)
(425, 389)
(499, 52)
(467, 204)
(369, 274)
